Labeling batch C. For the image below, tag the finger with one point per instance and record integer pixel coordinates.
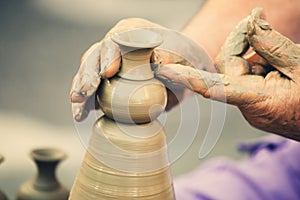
(253, 58)
(162, 56)
(229, 60)
(258, 65)
(87, 79)
(279, 51)
(79, 111)
(236, 90)
(110, 59)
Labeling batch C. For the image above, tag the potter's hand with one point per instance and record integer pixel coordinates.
(265, 85)
(103, 60)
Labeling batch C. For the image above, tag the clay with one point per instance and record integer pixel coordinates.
(125, 161)
(134, 96)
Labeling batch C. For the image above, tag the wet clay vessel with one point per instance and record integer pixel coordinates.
(134, 95)
(127, 153)
(45, 185)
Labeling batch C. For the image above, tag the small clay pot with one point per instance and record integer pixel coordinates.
(45, 185)
(132, 101)
(134, 95)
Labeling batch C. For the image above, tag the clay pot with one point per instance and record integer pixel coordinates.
(125, 161)
(45, 185)
(134, 96)
(2, 195)
(132, 101)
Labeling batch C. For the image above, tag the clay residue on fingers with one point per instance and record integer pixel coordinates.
(110, 59)
(279, 51)
(236, 90)
(79, 111)
(87, 79)
(229, 60)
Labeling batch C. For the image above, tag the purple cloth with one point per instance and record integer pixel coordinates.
(271, 172)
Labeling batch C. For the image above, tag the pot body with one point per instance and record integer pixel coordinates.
(128, 101)
(125, 161)
(29, 192)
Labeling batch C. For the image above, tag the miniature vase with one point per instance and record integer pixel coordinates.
(45, 185)
(134, 95)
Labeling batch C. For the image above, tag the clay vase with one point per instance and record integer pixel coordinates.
(45, 185)
(2, 195)
(127, 153)
(134, 95)
(124, 166)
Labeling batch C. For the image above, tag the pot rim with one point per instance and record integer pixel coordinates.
(47, 154)
(138, 38)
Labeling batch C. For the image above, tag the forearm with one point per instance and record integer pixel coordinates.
(217, 18)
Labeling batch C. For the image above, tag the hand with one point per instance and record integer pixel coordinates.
(102, 60)
(264, 84)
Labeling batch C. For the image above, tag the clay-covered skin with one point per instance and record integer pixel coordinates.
(264, 84)
(102, 60)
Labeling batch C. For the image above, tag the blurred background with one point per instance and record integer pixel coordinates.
(41, 43)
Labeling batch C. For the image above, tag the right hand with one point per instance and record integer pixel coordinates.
(265, 86)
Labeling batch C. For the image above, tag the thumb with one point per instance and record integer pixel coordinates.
(276, 49)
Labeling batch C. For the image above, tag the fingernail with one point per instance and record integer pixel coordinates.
(77, 114)
(80, 114)
(77, 118)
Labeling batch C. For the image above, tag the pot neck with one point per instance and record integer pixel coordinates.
(136, 64)
(46, 178)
